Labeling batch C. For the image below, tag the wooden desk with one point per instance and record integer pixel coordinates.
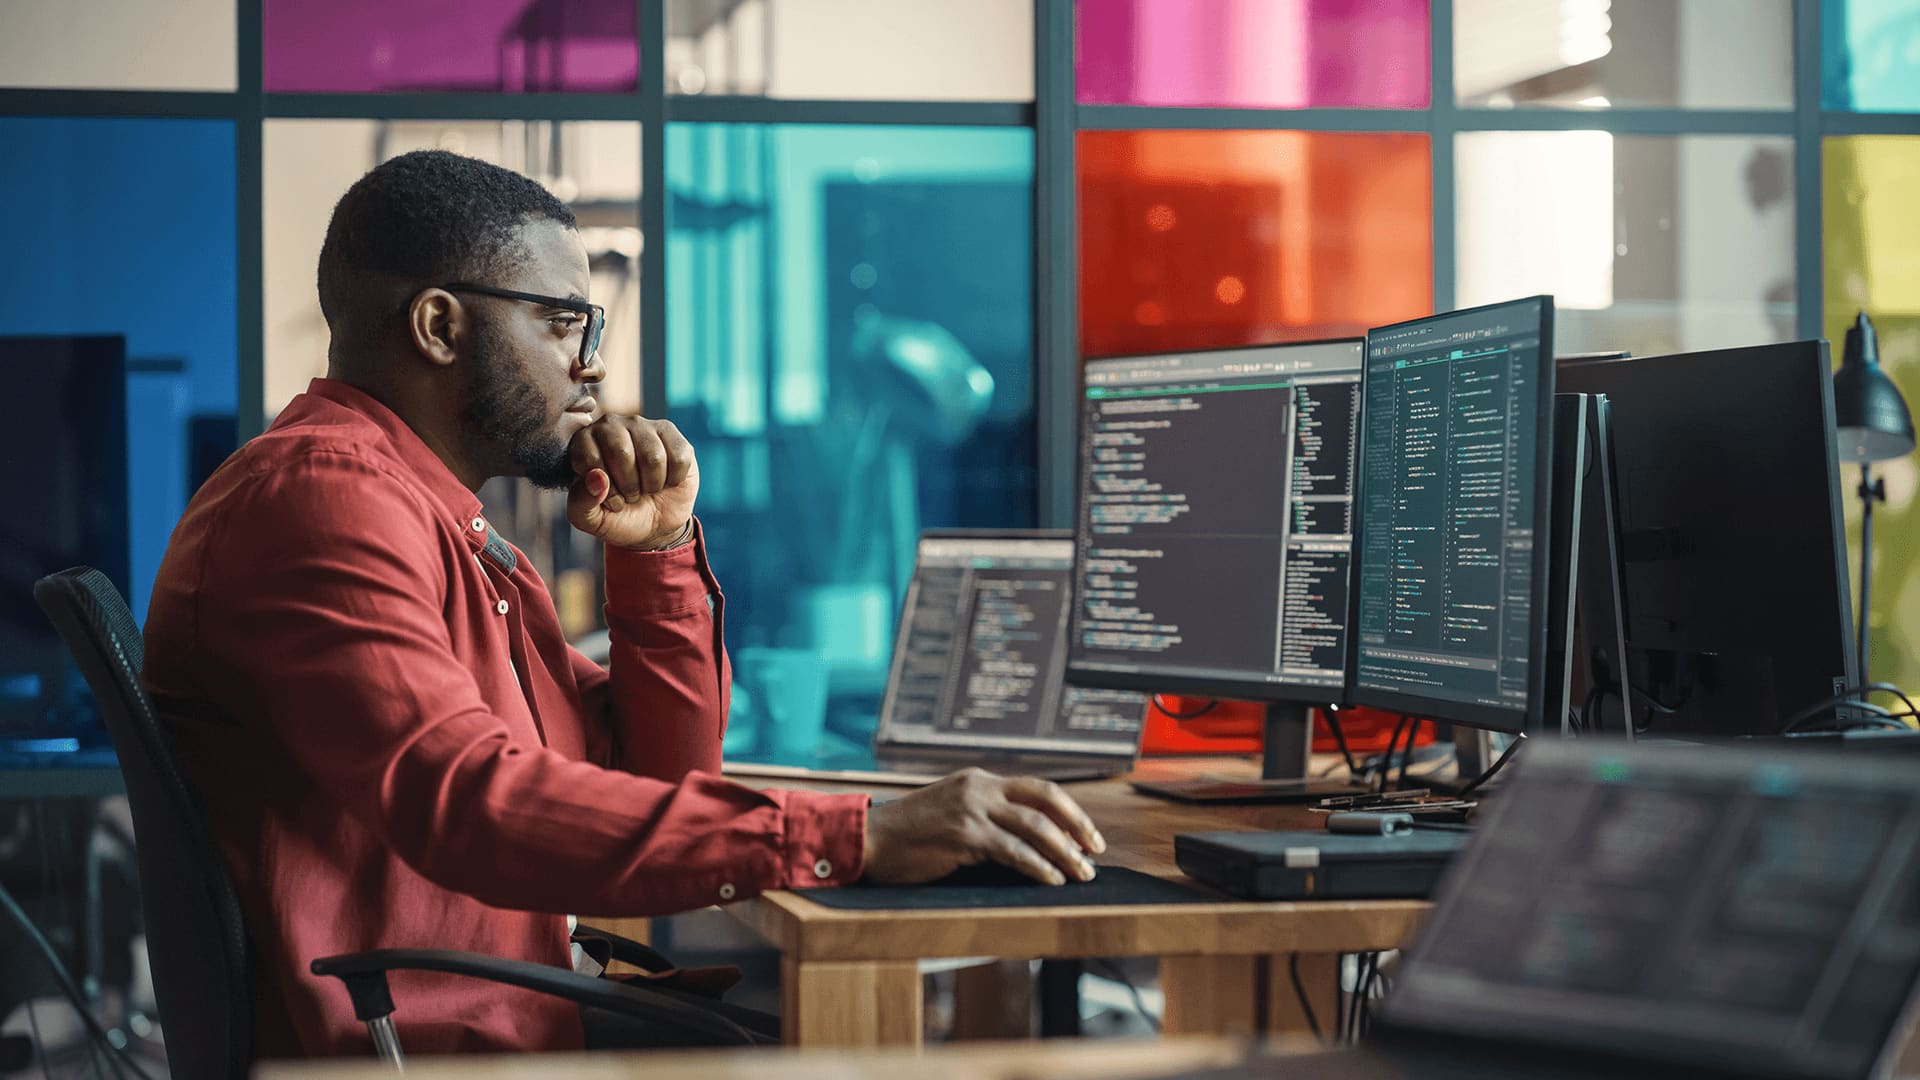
(852, 978)
(1073, 1059)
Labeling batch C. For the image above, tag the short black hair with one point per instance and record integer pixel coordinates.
(423, 219)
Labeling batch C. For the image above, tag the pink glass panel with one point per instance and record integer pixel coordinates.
(1275, 54)
(487, 46)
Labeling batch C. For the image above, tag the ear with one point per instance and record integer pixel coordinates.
(436, 320)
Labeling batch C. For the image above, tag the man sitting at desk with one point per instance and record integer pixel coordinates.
(395, 746)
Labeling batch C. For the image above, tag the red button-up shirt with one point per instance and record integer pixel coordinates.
(397, 748)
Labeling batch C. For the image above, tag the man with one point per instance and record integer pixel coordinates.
(369, 687)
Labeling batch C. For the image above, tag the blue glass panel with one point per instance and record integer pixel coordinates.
(1870, 55)
(850, 348)
(126, 228)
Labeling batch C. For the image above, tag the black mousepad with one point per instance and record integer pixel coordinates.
(993, 886)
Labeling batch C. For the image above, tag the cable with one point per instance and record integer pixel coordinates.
(67, 987)
(1376, 986)
(1386, 761)
(1340, 740)
(1362, 976)
(1350, 1004)
(1340, 1000)
(1300, 991)
(1499, 763)
(1661, 707)
(1889, 688)
(1818, 708)
(56, 835)
(1653, 704)
(1406, 756)
(39, 1041)
(1171, 714)
(1341, 1034)
(1591, 710)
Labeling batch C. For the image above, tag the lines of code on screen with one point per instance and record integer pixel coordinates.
(1216, 514)
(1449, 447)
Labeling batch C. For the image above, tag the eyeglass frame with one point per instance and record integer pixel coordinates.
(590, 335)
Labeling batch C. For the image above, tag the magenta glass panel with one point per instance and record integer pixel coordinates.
(489, 46)
(1272, 54)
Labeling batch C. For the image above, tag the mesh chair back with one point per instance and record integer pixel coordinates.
(196, 942)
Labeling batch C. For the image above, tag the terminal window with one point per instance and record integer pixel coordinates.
(980, 659)
(1449, 451)
(1216, 514)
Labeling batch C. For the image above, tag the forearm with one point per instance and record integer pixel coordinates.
(667, 698)
(526, 829)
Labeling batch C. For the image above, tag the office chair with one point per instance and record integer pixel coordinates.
(197, 941)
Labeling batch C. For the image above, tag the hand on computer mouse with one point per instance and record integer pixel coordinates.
(974, 816)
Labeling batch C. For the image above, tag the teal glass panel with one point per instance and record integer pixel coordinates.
(850, 349)
(1870, 55)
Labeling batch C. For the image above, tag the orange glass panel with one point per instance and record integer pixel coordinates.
(1196, 239)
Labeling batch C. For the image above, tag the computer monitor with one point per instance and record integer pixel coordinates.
(1214, 528)
(978, 664)
(1732, 911)
(1735, 587)
(1450, 604)
(63, 482)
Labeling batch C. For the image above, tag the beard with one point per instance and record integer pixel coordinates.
(510, 417)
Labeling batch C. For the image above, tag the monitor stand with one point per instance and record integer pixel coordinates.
(1285, 758)
(1586, 627)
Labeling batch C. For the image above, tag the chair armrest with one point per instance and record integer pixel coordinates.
(365, 974)
(626, 950)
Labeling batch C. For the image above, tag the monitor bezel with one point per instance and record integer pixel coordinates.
(1247, 689)
(1471, 714)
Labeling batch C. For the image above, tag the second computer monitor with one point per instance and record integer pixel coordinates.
(1215, 521)
(1738, 612)
(1450, 542)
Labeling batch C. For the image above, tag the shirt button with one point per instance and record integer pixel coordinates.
(726, 891)
(479, 524)
(822, 869)
(501, 607)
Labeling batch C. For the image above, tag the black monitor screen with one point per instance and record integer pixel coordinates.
(63, 481)
(1734, 551)
(1216, 521)
(1450, 582)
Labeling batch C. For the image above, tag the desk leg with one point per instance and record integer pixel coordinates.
(1319, 977)
(1212, 995)
(993, 1001)
(832, 1004)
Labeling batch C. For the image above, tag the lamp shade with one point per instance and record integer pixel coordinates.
(1868, 410)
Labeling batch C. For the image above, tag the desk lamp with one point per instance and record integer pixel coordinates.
(1873, 425)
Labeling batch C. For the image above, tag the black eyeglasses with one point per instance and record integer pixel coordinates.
(596, 315)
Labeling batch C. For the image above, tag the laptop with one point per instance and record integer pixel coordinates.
(1319, 865)
(978, 675)
(1669, 911)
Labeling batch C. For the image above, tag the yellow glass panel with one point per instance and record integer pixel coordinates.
(1872, 230)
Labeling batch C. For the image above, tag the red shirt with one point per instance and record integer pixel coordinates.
(397, 748)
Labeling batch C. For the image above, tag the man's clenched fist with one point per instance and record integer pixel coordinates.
(635, 482)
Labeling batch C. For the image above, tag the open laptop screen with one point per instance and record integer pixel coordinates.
(980, 659)
(1752, 912)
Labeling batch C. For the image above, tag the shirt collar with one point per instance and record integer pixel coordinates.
(458, 503)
